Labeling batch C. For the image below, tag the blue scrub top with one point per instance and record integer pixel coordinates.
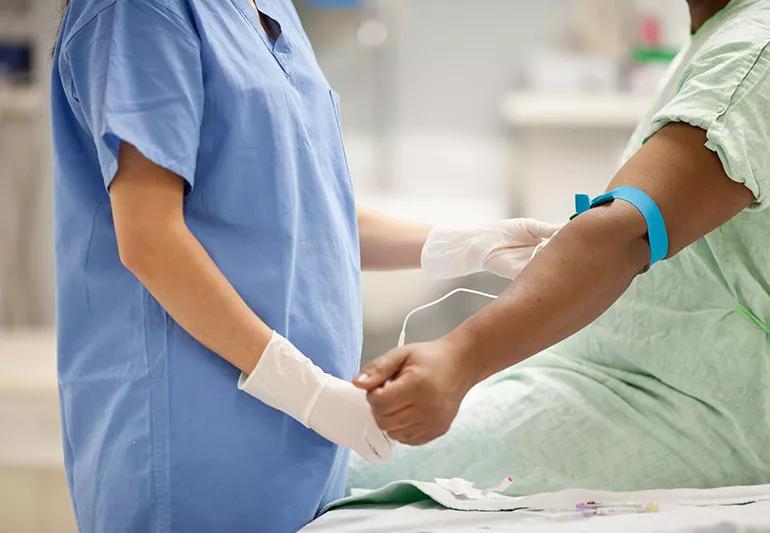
(157, 437)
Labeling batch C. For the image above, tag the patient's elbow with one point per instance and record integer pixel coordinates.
(616, 234)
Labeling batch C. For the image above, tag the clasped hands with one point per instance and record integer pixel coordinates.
(410, 394)
(415, 391)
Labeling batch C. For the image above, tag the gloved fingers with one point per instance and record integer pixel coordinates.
(541, 230)
(508, 262)
(367, 444)
(367, 452)
(378, 442)
(522, 250)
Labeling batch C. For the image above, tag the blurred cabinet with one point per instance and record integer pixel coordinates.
(26, 264)
(564, 145)
(25, 270)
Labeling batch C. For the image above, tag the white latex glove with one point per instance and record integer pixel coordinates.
(503, 248)
(287, 380)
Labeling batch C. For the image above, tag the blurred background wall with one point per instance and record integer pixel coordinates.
(453, 112)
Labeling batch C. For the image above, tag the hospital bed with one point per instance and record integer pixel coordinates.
(729, 509)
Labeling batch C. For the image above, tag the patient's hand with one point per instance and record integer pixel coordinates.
(415, 391)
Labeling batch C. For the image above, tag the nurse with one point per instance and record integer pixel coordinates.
(206, 227)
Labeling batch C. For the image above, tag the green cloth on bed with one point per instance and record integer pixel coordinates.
(671, 386)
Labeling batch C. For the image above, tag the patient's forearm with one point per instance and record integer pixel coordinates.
(585, 268)
(388, 243)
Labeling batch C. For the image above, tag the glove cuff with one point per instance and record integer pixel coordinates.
(285, 379)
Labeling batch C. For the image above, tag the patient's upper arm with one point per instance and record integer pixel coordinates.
(687, 181)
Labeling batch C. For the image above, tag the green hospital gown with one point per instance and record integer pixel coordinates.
(671, 386)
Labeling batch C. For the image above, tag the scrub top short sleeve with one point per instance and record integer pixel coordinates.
(726, 92)
(152, 93)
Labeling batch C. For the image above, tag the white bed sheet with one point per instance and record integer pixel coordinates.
(725, 509)
(427, 516)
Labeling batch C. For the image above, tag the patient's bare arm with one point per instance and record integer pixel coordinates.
(585, 268)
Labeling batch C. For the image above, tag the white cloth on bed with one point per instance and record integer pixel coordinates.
(681, 511)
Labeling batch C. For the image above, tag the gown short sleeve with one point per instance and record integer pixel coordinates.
(134, 75)
(726, 92)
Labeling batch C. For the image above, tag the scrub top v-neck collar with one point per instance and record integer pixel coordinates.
(280, 48)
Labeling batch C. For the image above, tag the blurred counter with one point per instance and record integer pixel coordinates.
(29, 400)
(33, 489)
(611, 110)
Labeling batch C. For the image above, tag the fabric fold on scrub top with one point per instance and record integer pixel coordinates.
(671, 386)
(156, 435)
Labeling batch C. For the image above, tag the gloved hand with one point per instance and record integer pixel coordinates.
(287, 380)
(503, 248)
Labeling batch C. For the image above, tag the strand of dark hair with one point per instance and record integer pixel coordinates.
(63, 8)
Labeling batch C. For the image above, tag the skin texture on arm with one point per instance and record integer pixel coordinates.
(585, 268)
(388, 243)
(158, 248)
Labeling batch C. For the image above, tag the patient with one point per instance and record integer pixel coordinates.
(641, 380)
